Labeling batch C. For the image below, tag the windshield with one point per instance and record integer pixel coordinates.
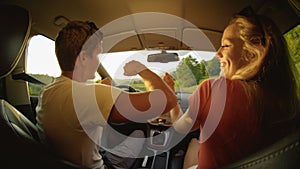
(192, 68)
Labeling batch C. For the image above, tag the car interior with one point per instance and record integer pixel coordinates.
(127, 25)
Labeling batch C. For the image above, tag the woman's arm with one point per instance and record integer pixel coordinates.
(182, 123)
(186, 123)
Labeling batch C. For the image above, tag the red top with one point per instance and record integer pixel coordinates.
(229, 124)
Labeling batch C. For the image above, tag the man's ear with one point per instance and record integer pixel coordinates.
(82, 57)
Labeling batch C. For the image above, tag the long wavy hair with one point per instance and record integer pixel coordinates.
(268, 75)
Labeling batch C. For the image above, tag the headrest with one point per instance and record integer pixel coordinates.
(14, 33)
(295, 4)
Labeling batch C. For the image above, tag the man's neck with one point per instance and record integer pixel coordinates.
(77, 76)
(68, 74)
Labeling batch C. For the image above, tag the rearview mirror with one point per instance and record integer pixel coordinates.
(163, 57)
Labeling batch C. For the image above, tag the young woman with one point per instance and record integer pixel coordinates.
(253, 100)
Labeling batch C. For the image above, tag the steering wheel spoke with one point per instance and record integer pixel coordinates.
(127, 88)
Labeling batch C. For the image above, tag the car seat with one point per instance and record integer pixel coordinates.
(283, 154)
(20, 146)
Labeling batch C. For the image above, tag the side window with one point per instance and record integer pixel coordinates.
(293, 41)
(41, 62)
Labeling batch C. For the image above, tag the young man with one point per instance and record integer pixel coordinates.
(72, 113)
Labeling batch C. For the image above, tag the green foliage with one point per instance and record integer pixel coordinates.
(35, 89)
(203, 71)
(190, 72)
(137, 81)
(293, 41)
(43, 78)
(139, 86)
(189, 89)
(213, 67)
(187, 72)
(173, 74)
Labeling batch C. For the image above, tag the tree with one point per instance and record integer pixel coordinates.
(213, 67)
(188, 72)
(203, 71)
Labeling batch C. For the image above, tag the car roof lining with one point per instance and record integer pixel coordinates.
(211, 17)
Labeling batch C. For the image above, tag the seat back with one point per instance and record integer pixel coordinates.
(281, 155)
(18, 121)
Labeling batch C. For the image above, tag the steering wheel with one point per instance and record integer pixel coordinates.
(126, 88)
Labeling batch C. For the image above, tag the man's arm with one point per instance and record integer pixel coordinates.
(142, 106)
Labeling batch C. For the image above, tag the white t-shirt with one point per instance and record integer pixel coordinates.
(71, 116)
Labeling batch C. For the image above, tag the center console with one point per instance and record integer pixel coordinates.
(158, 141)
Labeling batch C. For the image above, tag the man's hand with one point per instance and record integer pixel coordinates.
(169, 80)
(132, 68)
(106, 81)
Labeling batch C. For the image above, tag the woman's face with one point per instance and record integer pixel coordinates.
(230, 52)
